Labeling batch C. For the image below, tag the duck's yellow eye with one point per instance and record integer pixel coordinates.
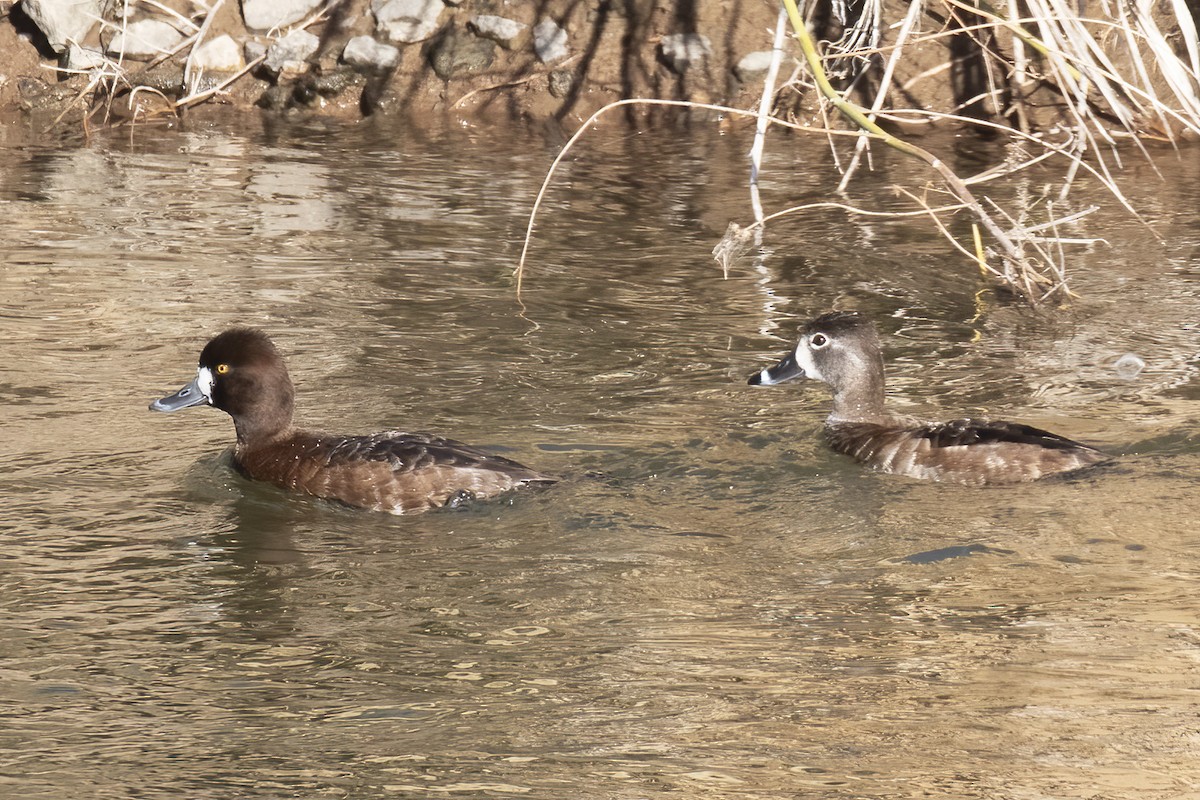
(222, 369)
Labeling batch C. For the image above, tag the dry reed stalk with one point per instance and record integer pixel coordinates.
(209, 16)
(764, 110)
(519, 270)
(1073, 61)
(1018, 268)
(1105, 107)
(1071, 151)
(885, 82)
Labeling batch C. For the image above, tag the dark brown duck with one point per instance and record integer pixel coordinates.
(842, 350)
(242, 373)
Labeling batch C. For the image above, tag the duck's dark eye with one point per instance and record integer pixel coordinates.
(222, 369)
(818, 341)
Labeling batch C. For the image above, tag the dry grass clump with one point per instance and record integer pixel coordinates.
(1064, 88)
(1109, 80)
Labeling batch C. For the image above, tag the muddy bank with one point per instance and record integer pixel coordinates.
(489, 60)
(478, 60)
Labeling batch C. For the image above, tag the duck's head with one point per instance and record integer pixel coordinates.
(841, 349)
(835, 348)
(242, 373)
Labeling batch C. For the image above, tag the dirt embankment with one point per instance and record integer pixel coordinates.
(609, 51)
(483, 60)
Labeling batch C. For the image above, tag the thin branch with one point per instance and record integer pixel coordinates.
(187, 65)
(764, 111)
(519, 272)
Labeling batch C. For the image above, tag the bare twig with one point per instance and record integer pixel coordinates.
(519, 271)
(910, 19)
(509, 84)
(764, 111)
(187, 65)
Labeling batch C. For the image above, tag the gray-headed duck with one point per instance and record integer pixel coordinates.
(842, 350)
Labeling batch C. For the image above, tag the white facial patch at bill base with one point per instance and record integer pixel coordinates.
(204, 382)
(805, 361)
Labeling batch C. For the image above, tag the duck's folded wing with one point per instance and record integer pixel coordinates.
(389, 471)
(962, 432)
(963, 450)
(414, 452)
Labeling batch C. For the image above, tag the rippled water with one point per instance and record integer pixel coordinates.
(712, 605)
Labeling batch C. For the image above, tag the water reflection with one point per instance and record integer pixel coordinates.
(711, 604)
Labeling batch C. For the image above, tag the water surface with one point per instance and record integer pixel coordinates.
(711, 605)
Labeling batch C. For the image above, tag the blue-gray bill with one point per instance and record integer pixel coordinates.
(785, 370)
(188, 396)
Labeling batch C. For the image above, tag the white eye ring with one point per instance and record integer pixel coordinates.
(818, 340)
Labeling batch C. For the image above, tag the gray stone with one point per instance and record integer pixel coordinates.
(363, 52)
(37, 94)
(684, 50)
(291, 53)
(63, 21)
(457, 53)
(508, 33)
(144, 39)
(265, 15)
(165, 77)
(253, 50)
(218, 55)
(550, 41)
(560, 82)
(408, 20)
(334, 82)
(753, 65)
(82, 58)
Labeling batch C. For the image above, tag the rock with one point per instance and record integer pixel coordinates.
(291, 53)
(310, 89)
(408, 20)
(63, 21)
(36, 94)
(364, 53)
(753, 65)
(144, 39)
(508, 33)
(219, 55)
(82, 58)
(550, 41)
(334, 82)
(265, 15)
(164, 77)
(560, 82)
(275, 98)
(457, 53)
(253, 50)
(684, 50)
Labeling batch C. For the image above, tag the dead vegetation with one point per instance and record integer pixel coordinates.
(1073, 92)
(1078, 93)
